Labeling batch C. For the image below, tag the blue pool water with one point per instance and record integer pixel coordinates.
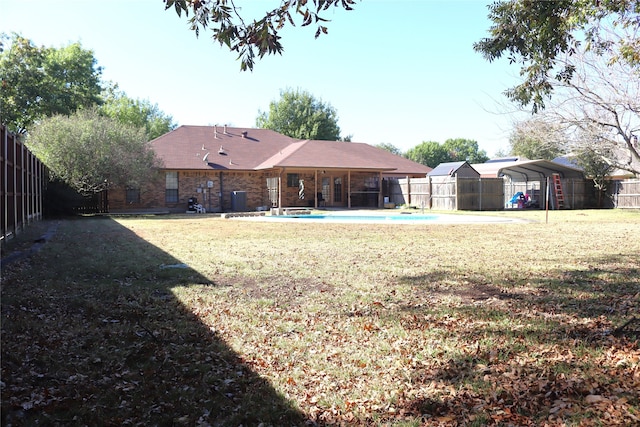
(362, 218)
(385, 218)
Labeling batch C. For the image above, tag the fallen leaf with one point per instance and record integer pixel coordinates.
(595, 398)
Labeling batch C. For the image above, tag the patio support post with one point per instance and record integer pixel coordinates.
(349, 189)
(380, 199)
(315, 188)
(280, 190)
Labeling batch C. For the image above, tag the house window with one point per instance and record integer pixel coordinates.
(171, 188)
(133, 196)
(293, 179)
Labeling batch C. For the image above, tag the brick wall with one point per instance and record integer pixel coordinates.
(195, 184)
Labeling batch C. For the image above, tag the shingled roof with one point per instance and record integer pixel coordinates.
(218, 147)
(342, 155)
(231, 148)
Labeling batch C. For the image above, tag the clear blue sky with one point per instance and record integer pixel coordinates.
(396, 71)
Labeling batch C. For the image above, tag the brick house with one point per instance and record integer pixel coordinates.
(243, 169)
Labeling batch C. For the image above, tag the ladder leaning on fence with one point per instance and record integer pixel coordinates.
(557, 187)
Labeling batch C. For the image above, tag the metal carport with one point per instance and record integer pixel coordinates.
(526, 170)
(531, 176)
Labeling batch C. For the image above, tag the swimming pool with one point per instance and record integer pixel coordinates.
(384, 218)
(358, 218)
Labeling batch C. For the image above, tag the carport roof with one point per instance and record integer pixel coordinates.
(526, 170)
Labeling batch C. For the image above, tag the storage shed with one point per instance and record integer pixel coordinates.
(457, 169)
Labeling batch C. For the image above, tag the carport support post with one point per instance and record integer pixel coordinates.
(547, 201)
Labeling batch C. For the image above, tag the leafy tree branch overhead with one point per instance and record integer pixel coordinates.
(248, 38)
(537, 34)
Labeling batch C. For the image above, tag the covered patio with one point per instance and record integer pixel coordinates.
(333, 174)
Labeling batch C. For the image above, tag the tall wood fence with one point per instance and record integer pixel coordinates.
(23, 185)
(446, 193)
(481, 194)
(626, 194)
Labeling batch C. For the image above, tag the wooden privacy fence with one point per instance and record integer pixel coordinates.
(23, 183)
(626, 194)
(485, 194)
(447, 193)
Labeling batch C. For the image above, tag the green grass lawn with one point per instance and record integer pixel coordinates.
(196, 320)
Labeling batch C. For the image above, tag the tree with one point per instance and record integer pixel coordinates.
(537, 138)
(536, 34)
(595, 167)
(461, 149)
(300, 115)
(429, 153)
(230, 28)
(37, 82)
(599, 109)
(432, 153)
(390, 148)
(91, 152)
(500, 152)
(141, 114)
(595, 85)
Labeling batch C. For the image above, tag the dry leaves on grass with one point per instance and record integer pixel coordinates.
(329, 333)
(373, 363)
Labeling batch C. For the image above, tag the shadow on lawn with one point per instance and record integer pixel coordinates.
(93, 335)
(607, 287)
(533, 351)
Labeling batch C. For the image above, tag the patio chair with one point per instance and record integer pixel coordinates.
(321, 200)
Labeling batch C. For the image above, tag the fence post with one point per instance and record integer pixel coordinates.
(23, 176)
(480, 191)
(455, 188)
